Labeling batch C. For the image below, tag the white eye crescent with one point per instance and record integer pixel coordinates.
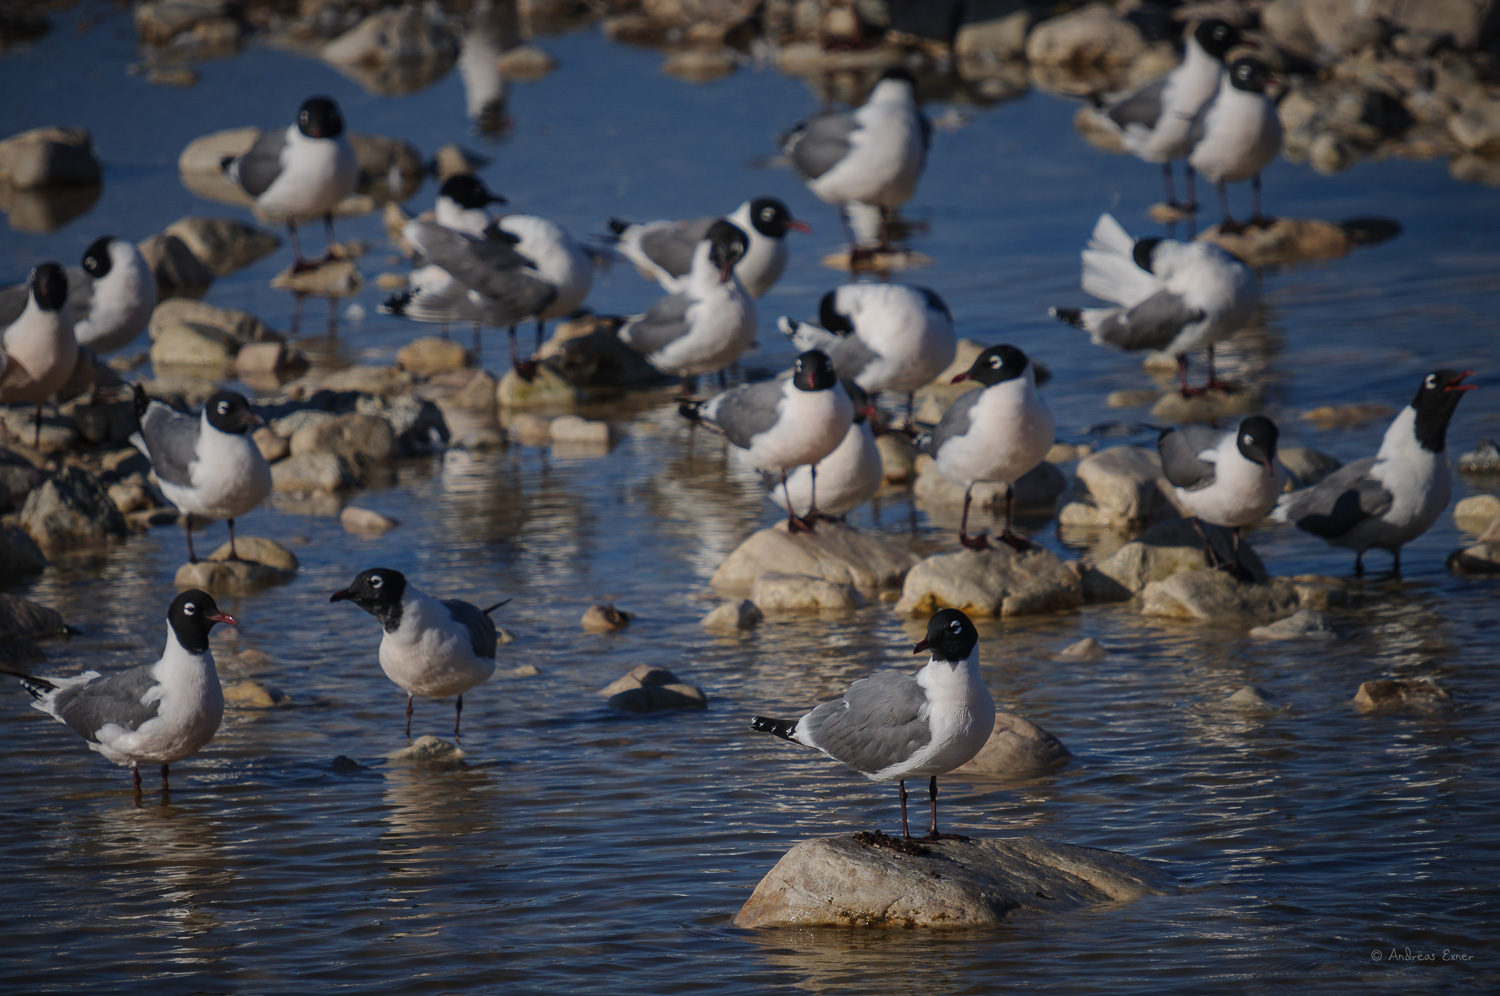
(189, 609)
(1247, 439)
(1431, 380)
(956, 626)
(995, 362)
(377, 581)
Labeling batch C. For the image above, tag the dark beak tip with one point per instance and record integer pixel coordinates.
(339, 596)
(959, 378)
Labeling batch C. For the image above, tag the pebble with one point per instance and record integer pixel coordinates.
(733, 618)
(1307, 624)
(573, 429)
(365, 520)
(428, 748)
(1421, 694)
(604, 619)
(1251, 699)
(1086, 649)
(252, 694)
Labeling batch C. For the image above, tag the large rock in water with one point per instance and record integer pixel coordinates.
(1121, 488)
(1216, 597)
(1165, 549)
(870, 880)
(72, 510)
(992, 583)
(835, 552)
(1017, 749)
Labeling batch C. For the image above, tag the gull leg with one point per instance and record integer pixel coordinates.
(332, 252)
(233, 554)
(541, 332)
(1214, 383)
(1208, 547)
(1258, 220)
(408, 715)
(187, 526)
(911, 411)
(1018, 543)
(36, 428)
(932, 831)
(525, 369)
(1228, 226)
(166, 786)
(972, 542)
(1359, 564)
(1238, 569)
(135, 769)
(458, 712)
(905, 832)
(793, 523)
(1191, 204)
(813, 515)
(299, 262)
(1166, 172)
(1396, 563)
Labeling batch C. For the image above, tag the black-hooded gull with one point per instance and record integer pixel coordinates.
(1229, 479)
(663, 250)
(1236, 135)
(846, 478)
(38, 350)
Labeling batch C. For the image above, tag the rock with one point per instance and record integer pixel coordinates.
(1285, 240)
(268, 358)
(655, 698)
(991, 583)
(526, 63)
(898, 457)
(368, 380)
(229, 577)
(1340, 25)
(1166, 549)
(586, 352)
(48, 157)
(604, 619)
(1216, 597)
(428, 748)
(71, 510)
(733, 618)
(1474, 513)
(1306, 466)
(178, 272)
(396, 51)
(362, 440)
(46, 209)
(430, 355)
(1422, 694)
(223, 245)
(1119, 488)
(1086, 649)
(1068, 452)
(995, 38)
(131, 495)
(1482, 459)
(260, 550)
(478, 395)
(547, 390)
(1037, 488)
(574, 430)
(252, 694)
(1208, 407)
(1094, 35)
(19, 555)
(870, 880)
(1345, 416)
(57, 435)
(530, 430)
(836, 552)
(184, 346)
(1248, 698)
(1017, 749)
(21, 618)
(1479, 559)
(337, 278)
(313, 473)
(698, 65)
(1306, 624)
(365, 520)
(775, 591)
(18, 478)
(107, 424)
(179, 76)
(640, 676)
(157, 22)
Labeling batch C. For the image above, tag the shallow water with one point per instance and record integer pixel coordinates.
(577, 850)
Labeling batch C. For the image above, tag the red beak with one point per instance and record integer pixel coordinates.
(339, 596)
(798, 226)
(725, 272)
(250, 418)
(1270, 470)
(958, 378)
(223, 617)
(1457, 383)
(920, 647)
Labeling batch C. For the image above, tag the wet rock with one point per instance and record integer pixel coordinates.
(1068, 452)
(1216, 597)
(450, 160)
(107, 424)
(478, 395)
(1166, 549)
(1039, 487)
(1248, 698)
(396, 51)
(19, 555)
(71, 510)
(1209, 407)
(157, 22)
(418, 424)
(1342, 25)
(1017, 749)
(1306, 624)
(290, 424)
(586, 352)
(657, 698)
(1420, 694)
(132, 495)
(252, 694)
(1306, 466)
(185, 346)
(336, 278)
(993, 39)
(1120, 488)
(992, 583)
(18, 478)
(48, 157)
(547, 390)
(178, 272)
(1482, 459)
(178, 76)
(863, 880)
(836, 552)
(365, 520)
(1472, 514)
(526, 64)
(268, 358)
(640, 676)
(233, 327)
(571, 429)
(898, 457)
(198, 165)
(260, 550)
(313, 473)
(1345, 416)
(390, 169)
(698, 65)
(21, 618)
(362, 440)
(530, 430)
(57, 434)
(1094, 35)
(733, 618)
(1285, 240)
(229, 577)
(1086, 649)
(776, 591)
(604, 619)
(223, 245)
(429, 749)
(368, 380)
(1479, 559)
(46, 209)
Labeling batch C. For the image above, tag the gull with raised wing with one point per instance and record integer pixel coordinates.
(663, 250)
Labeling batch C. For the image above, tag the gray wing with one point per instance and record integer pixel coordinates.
(1142, 107)
(817, 144)
(260, 165)
(880, 721)
(1152, 324)
(955, 422)
(747, 411)
(12, 303)
(665, 321)
(89, 707)
(490, 267)
(849, 354)
(171, 442)
(1339, 502)
(671, 246)
(80, 292)
(482, 634)
(1180, 463)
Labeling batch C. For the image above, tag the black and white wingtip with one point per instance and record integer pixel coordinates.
(35, 687)
(783, 728)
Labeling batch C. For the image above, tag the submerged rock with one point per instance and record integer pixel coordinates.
(992, 583)
(1285, 240)
(252, 694)
(1421, 694)
(1086, 649)
(178, 272)
(604, 619)
(365, 520)
(733, 618)
(48, 157)
(587, 352)
(652, 689)
(1017, 749)
(223, 245)
(1165, 549)
(835, 552)
(430, 355)
(1216, 597)
(1248, 698)
(428, 748)
(21, 618)
(1307, 624)
(1475, 513)
(871, 880)
(19, 555)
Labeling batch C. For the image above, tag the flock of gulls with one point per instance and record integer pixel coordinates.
(811, 434)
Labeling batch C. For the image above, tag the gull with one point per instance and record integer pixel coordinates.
(1237, 134)
(663, 250)
(38, 350)
(850, 475)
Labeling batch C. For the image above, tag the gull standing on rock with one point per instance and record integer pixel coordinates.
(709, 323)
(997, 434)
(300, 173)
(430, 647)
(1236, 135)
(1155, 120)
(1229, 479)
(157, 713)
(884, 337)
(1390, 499)
(850, 475)
(208, 466)
(663, 250)
(1169, 295)
(893, 726)
(110, 296)
(780, 425)
(872, 155)
(38, 350)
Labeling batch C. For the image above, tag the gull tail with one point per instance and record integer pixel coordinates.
(1109, 267)
(692, 411)
(396, 304)
(36, 687)
(1073, 316)
(783, 728)
(619, 225)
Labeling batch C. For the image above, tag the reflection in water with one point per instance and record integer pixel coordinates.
(46, 209)
(492, 29)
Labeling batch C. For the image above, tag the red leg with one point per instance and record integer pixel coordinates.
(905, 832)
(972, 542)
(794, 523)
(1018, 543)
(932, 830)
(458, 712)
(408, 715)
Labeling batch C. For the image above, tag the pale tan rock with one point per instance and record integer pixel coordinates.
(131, 495)
(313, 473)
(359, 439)
(478, 395)
(1120, 488)
(223, 245)
(640, 676)
(229, 577)
(530, 430)
(1422, 694)
(781, 592)
(1165, 549)
(656, 698)
(897, 458)
(1216, 597)
(995, 38)
(991, 583)
(1207, 407)
(268, 358)
(1086, 649)
(71, 510)
(1306, 624)
(48, 157)
(1479, 559)
(251, 694)
(1017, 749)
(699, 65)
(428, 748)
(1248, 698)
(1286, 240)
(587, 352)
(178, 272)
(271, 446)
(1346, 416)
(1094, 35)
(604, 619)
(733, 618)
(260, 550)
(365, 520)
(573, 429)
(548, 390)
(1475, 513)
(1039, 487)
(835, 552)
(842, 882)
(336, 278)
(368, 380)
(430, 355)
(526, 63)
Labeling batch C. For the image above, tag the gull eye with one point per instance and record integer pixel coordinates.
(767, 214)
(223, 408)
(377, 581)
(189, 609)
(995, 362)
(956, 626)
(1246, 438)
(1431, 381)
